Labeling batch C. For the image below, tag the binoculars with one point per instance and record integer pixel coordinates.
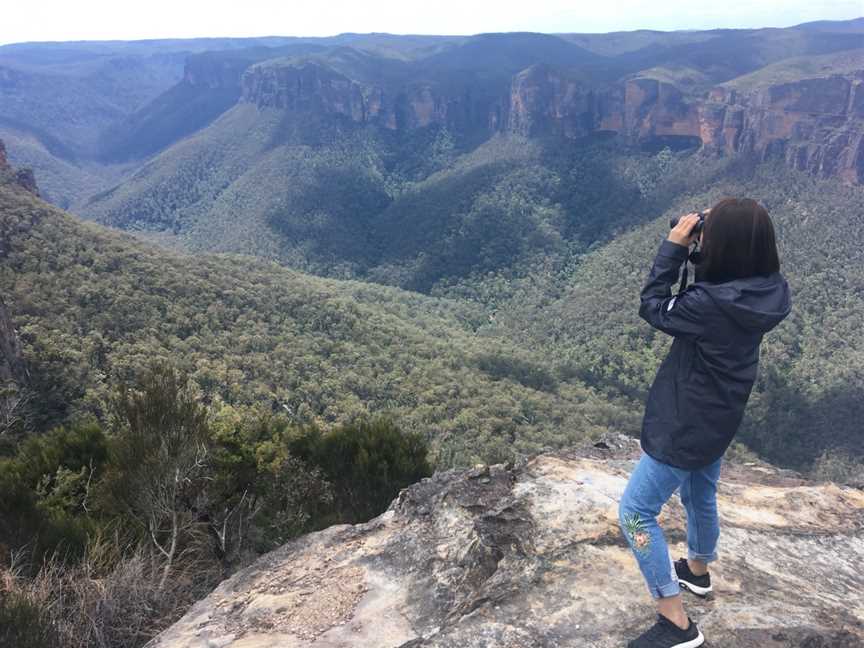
(697, 227)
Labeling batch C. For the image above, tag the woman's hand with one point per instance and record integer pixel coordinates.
(682, 232)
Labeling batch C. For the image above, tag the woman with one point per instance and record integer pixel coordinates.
(697, 400)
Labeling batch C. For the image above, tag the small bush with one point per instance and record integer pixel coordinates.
(368, 463)
(45, 487)
(839, 467)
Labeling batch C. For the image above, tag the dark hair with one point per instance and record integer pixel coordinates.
(737, 242)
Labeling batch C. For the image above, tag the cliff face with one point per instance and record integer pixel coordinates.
(543, 101)
(317, 88)
(816, 125)
(531, 556)
(311, 87)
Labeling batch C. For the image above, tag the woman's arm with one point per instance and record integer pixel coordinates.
(682, 315)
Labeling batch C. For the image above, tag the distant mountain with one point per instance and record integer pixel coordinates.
(339, 161)
(854, 26)
(88, 112)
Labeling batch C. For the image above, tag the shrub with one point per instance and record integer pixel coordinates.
(45, 489)
(838, 466)
(159, 462)
(367, 462)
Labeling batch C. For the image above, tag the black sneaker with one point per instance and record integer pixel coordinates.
(665, 634)
(698, 585)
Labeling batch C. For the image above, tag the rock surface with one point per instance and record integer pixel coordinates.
(531, 557)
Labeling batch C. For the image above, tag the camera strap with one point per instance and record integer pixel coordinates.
(694, 257)
(683, 285)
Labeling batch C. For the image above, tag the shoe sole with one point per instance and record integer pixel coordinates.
(698, 641)
(695, 589)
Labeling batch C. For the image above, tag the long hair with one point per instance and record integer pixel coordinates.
(737, 242)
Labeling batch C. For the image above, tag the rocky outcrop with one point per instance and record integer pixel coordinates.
(816, 125)
(531, 556)
(544, 102)
(312, 87)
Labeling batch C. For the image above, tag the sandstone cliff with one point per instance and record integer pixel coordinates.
(814, 124)
(311, 87)
(395, 102)
(530, 556)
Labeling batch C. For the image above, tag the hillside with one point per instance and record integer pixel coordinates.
(812, 366)
(542, 352)
(94, 308)
(502, 556)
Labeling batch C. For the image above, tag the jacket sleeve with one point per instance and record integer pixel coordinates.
(682, 315)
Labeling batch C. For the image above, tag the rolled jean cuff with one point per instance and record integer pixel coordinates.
(667, 590)
(706, 558)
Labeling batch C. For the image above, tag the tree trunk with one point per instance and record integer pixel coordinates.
(172, 549)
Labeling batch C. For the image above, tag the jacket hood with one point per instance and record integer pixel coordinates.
(757, 303)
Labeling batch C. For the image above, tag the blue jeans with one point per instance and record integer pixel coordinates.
(651, 485)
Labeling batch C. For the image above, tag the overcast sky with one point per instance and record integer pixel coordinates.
(29, 20)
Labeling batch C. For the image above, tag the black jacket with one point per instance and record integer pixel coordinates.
(697, 400)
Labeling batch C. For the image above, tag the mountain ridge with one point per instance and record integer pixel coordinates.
(100, 133)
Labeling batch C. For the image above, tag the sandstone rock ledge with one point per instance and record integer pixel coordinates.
(530, 557)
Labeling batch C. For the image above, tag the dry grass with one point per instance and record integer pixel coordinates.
(107, 600)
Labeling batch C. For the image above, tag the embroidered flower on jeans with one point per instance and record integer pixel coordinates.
(635, 529)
